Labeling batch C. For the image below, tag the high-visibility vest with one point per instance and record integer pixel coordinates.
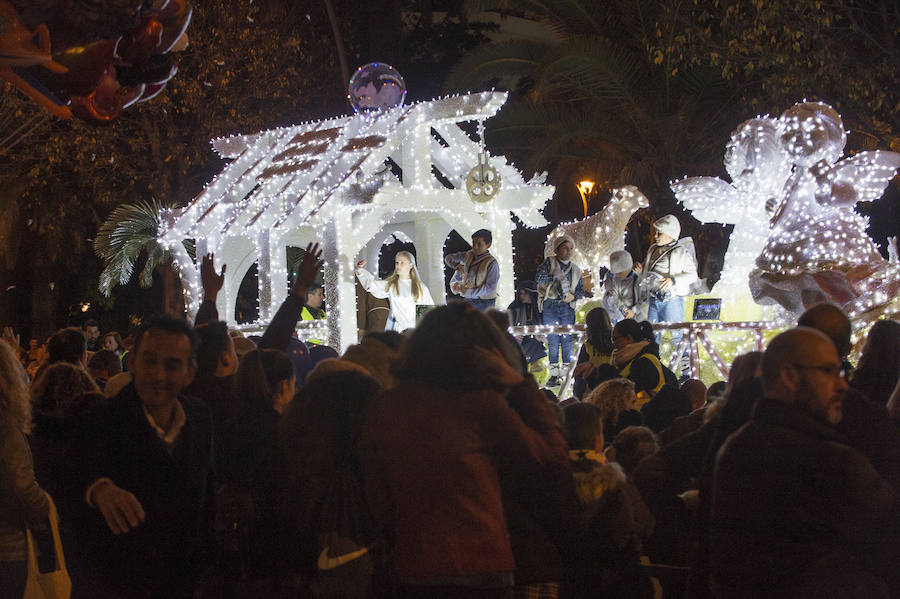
(659, 369)
(594, 356)
(305, 314)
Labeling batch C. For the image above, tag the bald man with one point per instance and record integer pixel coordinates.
(865, 423)
(791, 500)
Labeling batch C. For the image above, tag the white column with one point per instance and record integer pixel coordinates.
(264, 249)
(502, 248)
(430, 233)
(339, 255)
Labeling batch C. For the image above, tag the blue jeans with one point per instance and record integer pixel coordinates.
(671, 310)
(481, 304)
(559, 312)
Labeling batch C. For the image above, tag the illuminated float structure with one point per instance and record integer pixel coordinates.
(797, 239)
(352, 182)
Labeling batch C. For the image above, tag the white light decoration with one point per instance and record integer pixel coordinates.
(759, 168)
(331, 181)
(797, 238)
(817, 247)
(601, 234)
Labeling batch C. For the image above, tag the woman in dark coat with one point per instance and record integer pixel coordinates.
(593, 366)
(436, 446)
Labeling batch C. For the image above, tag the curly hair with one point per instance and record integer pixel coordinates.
(59, 385)
(611, 398)
(15, 404)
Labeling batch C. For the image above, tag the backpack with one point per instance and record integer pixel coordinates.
(348, 554)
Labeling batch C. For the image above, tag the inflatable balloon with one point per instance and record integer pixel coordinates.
(376, 86)
(100, 62)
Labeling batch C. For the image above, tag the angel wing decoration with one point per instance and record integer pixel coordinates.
(759, 167)
(817, 248)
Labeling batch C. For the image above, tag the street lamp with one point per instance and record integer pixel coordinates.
(585, 188)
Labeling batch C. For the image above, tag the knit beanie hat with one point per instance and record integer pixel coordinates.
(668, 225)
(620, 261)
(555, 240)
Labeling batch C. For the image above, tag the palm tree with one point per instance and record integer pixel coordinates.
(130, 231)
(591, 98)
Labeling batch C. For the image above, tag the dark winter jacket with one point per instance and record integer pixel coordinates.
(791, 502)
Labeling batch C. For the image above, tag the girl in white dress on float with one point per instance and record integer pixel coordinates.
(403, 289)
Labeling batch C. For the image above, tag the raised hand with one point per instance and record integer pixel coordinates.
(309, 268)
(210, 280)
(12, 338)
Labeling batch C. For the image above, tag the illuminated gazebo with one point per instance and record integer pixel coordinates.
(351, 183)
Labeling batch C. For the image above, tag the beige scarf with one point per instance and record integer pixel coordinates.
(621, 357)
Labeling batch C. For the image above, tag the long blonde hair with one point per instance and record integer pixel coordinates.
(392, 281)
(15, 402)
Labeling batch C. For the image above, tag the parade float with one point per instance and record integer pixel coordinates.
(412, 172)
(797, 239)
(417, 172)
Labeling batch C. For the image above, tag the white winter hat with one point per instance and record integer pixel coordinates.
(669, 225)
(620, 261)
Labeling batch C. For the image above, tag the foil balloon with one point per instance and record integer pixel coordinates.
(812, 132)
(376, 86)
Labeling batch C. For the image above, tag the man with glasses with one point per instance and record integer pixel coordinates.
(792, 502)
(865, 423)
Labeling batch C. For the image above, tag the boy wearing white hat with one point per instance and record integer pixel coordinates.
(623, 296)
(669, 270)
(559, 282)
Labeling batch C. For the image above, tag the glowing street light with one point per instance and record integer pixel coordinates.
(585, 188)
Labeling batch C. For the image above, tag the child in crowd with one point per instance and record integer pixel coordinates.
(608, 561)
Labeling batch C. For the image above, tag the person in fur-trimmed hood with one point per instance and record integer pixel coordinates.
(607, 563)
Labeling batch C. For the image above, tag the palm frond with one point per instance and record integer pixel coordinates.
(129, 230)
(593, 69)
(505, 62)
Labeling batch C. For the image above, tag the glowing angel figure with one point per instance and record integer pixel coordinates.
(817, 247)
(601, 234)
(759, 167)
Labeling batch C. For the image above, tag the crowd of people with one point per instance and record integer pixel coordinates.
(194, 462)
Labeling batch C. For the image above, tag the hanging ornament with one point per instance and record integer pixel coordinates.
(483, 181)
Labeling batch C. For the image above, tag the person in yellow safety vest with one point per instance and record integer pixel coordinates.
(593, 366)
(312, 309)
(637, 359)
